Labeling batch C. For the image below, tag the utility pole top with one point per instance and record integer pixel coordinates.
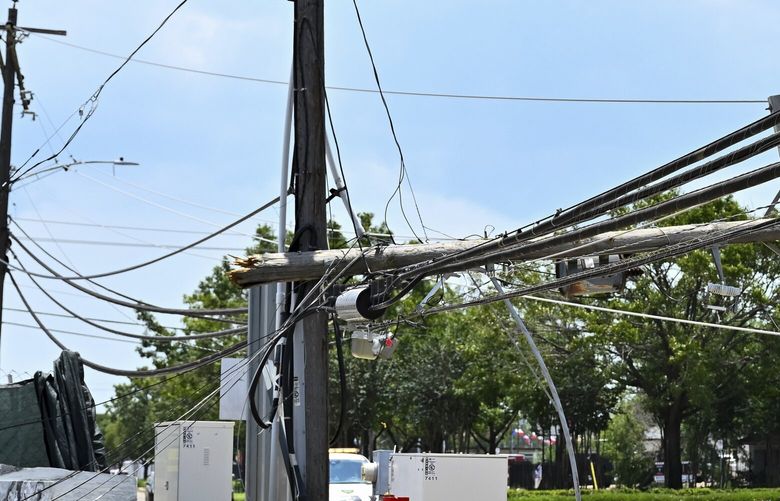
(12, 76)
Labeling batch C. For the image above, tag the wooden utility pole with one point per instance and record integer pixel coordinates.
(310, 347)
(9, 81)
(12, 75)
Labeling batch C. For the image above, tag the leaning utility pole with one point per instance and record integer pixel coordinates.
(11, 75)
(310, 347)
(9, 82)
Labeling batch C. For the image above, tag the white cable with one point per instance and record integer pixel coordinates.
(71, 333)
(550, 384)
(169, 209)
(171, 197)
(651, 316)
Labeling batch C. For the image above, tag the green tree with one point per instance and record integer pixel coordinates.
(625, 446)
(684, 369)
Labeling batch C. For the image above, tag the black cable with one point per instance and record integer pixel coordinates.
(557, 220)
(202, 313)
(185, 417)
(342, 380)
(92, 101)
(486, 97)
(103, 320)
(174, 252)
(291, 320)
(129, 373)
(703, 170)
(73, 333)
(121, 451)
(403, 173)
(164, 339)
(260, 420)
(685, 201)
(108, 289)
(623, 265)
(111, 400)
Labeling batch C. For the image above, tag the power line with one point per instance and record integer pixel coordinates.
(72, 333)
(651, 316)
(104, 320)
(200, 232)
(112, 301)
(164, 256)
(128, 244)
(594, 206)
(174, 198)
(623, 265)
(160, 206)
(154, 339)
(129, 373)
(443, 95)
(92, 102)
(135, 304)
(403, 172)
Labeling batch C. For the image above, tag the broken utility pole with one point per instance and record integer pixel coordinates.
(291, 266)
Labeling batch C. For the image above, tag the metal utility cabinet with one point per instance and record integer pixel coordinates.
(193, 461)
(439, 477)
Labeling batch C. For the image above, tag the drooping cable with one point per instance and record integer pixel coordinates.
(108, 289)
(199, 313)
(121, 372)
(191, 414)
(403, 174)
(342, 381)
(115, 398)
(703, 195)
(621, 266)
(565, 216)
(93, 101)
(651, 316)
(163, 339)
(172, 253)
(468, 97)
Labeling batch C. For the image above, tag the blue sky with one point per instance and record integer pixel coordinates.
(217, 142)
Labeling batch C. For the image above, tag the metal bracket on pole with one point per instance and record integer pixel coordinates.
(718, 266)
(550, 384)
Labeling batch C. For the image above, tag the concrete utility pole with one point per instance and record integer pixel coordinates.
(11, 75)
(310, 347)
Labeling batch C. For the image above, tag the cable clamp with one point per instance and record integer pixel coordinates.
(335, 192)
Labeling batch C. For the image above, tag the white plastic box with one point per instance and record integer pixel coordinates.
(193, 461)
(449, 477)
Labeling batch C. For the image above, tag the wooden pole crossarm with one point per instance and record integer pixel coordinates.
(299, 266)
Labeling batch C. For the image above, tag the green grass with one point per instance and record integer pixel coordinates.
(651, 495)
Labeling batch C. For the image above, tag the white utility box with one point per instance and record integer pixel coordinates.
(193, 461)
(448, 477)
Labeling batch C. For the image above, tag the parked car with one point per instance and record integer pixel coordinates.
(346, 478)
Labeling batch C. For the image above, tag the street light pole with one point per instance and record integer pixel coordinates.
(119, 162)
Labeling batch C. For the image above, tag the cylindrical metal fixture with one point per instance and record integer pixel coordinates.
(354, 305)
